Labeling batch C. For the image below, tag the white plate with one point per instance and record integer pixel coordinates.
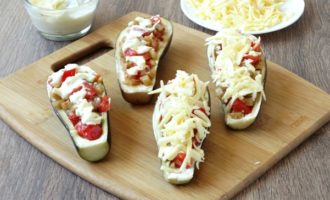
(294, 7)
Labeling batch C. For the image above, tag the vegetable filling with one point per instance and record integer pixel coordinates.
(79, 91)
(182, 114)
(237, 71)
(140, 49)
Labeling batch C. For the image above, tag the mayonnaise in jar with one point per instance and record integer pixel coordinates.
(62, 19)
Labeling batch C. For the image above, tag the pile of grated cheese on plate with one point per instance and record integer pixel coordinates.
(244, 15)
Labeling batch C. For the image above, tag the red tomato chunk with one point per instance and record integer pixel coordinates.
(68, 73)
(256, 47)
(240, 106)
(104, 105)
(74, 118)
(90, 132)
(146, 34)
(255, 59)
(178, 160)
(90, 91)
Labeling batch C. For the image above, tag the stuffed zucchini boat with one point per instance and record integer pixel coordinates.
(238, 67)
(139, 48)
(79, 99)
(181, 121)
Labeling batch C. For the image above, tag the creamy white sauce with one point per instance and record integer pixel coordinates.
(140, 64)
(143, 49)
(77, 97)
(84, 109)
(62, 17)
(72, 83)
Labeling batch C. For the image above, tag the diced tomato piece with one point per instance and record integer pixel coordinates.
(178, 160)
(146, 34)
(137, 76)
(240, 106)
(74, 118)
(76, 89)
(130, 52)
(104, 106)
(201, 109)
(80, 127)
(155, 19)
(148, 63)
(90, 132)
(90, 91)
(256, 47)
(68, 73)
(255, 59)
(158, 35)
(93, 132)
(146, 56)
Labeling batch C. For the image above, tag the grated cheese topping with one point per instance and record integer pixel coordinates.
(247, 15)
(234, 76)
(183, 113)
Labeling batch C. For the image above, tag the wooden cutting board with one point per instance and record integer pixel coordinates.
(293, 111)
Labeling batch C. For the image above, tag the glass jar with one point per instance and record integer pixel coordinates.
(61, 20)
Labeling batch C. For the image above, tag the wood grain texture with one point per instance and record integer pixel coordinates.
(26, 173)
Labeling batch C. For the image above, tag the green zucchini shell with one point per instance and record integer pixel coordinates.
(247, 120)
(138, 94)
(172, 177)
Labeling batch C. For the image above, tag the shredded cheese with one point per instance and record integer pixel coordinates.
(180, 116)
(245, 15)
(234, 76)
